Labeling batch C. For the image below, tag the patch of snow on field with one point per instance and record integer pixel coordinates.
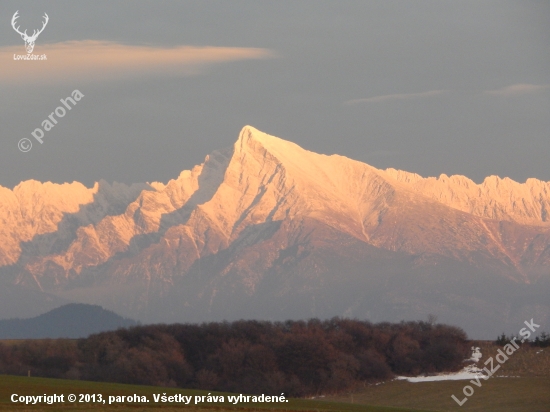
(469, 372)
(476, 354)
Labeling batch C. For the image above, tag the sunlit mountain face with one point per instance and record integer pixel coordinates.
(268, 230)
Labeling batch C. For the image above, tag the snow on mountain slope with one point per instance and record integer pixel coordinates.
(496, 198)
(264, 178)
(33, 208)
(268, 212)
(41, 218)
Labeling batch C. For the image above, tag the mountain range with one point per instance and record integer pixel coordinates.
(74, 320)
(268, 230)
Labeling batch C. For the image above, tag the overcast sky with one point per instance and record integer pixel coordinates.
(432, 87)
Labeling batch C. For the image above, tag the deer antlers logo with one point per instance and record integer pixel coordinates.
(29, 40)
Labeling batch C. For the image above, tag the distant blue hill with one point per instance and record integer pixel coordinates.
(75, 320)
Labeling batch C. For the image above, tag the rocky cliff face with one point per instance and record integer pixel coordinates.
(268, 229)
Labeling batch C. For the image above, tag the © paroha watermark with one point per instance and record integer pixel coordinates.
(29, 40)
(501, 358)
(48, 124)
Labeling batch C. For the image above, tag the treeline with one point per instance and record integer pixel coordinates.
(541, 341)
(295, 357)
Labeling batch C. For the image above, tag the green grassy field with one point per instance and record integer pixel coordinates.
(495, 395)
(39, 386)
(530, 394)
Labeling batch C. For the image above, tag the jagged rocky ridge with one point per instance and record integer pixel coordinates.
(266, 229)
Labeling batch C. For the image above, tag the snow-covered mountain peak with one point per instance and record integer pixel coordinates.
(266, 219)
(322, 172)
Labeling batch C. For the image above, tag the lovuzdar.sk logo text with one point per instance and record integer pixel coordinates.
(29, 40)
